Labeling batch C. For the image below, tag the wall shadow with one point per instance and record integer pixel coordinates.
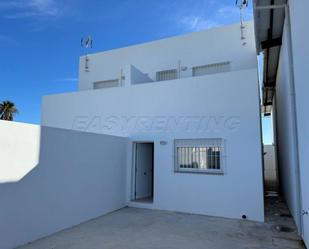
(79, 176)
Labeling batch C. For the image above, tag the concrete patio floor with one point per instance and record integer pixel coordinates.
(134, 228)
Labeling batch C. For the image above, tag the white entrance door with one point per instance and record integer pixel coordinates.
(143, 170)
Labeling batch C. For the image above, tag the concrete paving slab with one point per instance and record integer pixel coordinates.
(133, 228)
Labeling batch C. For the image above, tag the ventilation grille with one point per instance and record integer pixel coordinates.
(167, 75)
(105, 84)
(211, 68)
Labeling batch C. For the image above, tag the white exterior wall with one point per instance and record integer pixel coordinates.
(19, 150)
(285, 128)
(199, 48)
(224, 105)
(285, 133)
(300, 46)
(270, 168)
(71, 182)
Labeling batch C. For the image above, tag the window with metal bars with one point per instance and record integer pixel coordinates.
(199, 155)
(167, 75)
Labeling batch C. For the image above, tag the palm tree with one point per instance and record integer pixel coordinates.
(7, 110)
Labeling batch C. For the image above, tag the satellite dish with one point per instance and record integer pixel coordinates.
(86, 42)
(242, 3)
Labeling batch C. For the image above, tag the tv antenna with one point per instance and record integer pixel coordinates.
(242, 5)
(86, 42)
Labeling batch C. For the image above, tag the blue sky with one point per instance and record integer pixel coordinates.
(40, 39)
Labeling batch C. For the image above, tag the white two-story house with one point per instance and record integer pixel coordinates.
(189, 108)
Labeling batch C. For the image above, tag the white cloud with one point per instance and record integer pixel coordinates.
(196, 23)
(72, 79)
(7, 40)
(29, 8)
(222, 14)
(232, 12)
(228, 11)
(46, 7)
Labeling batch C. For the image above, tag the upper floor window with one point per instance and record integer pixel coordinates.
(166, 75)
(211, 68)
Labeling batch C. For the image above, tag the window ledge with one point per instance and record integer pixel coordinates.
(193, 171)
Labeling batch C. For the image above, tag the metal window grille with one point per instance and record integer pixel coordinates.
(199, 155)
(211, 68)
(105, 84)
(167, 75)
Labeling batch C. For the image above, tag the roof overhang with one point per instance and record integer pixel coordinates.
(269, 20)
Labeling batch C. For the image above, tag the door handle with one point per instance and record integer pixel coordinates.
(145, 173)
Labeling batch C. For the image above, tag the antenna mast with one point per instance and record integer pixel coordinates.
(242, 5)
(86, 42)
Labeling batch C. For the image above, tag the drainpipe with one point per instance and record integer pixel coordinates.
(294, 119)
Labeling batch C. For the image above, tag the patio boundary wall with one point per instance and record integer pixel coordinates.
(50, 184)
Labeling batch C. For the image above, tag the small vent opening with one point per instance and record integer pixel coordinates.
(167, 75)
(211, 68)
(105, 84)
